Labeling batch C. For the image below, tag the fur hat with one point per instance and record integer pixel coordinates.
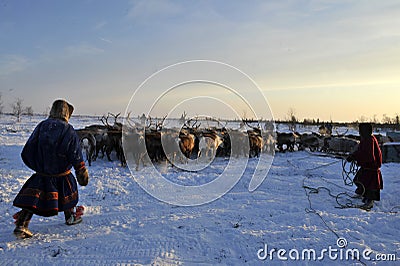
(365, 129)
(61, 110)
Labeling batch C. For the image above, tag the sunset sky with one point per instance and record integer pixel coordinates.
(333, 60)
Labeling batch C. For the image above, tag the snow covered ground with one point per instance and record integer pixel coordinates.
(124, 225)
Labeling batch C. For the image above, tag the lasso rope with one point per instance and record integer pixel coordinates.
(310, 190)
(348, 173)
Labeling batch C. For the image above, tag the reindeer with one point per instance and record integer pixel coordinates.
(189, 138)
(113, 139)
(288, 139)
(153, 140)
(187, 142)
(225, 148)
(256, 144)
(99, 132)
(311, 141)
(255, 140)
(134, 144)
(269, 141)
(239, 143)
(340, 145)
(154, 145)
(170, 143)
(88, 144)
(209, 143)
(325, 129)
(382, 139)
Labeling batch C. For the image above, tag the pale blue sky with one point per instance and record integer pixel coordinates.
(335, 60)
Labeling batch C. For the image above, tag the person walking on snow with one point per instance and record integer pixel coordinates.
(51, 151)
(368, 156)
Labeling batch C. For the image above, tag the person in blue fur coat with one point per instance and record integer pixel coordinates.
(51, 151)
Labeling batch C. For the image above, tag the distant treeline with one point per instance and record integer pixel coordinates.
(393, 124)
(313, 122)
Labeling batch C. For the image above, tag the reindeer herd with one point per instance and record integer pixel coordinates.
(322, 141)
(103, 138)
(153, 142)
(140, 143)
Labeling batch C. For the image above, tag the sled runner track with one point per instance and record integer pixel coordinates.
(122, 248)
(113, 218)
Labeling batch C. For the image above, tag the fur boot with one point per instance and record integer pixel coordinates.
(21, 224)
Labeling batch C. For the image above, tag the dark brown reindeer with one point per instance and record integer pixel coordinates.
(287, 139)
(311, 141)
(113, 141)
(153, 139)
(255, 139)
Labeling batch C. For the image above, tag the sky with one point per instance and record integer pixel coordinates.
(332, 60)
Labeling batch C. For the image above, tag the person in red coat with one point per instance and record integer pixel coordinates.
(368, 156)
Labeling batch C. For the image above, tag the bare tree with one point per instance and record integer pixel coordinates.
(362, 119)
(375, 119)
(292, 115)
(292, 119)
(46, 111)
(244, 116)
(1, 104)
(17, 108)
(386, 119)
(28, 111)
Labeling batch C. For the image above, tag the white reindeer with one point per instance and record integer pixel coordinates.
(209, 143)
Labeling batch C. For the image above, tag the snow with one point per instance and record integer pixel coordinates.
(391, 144)
(294, 208)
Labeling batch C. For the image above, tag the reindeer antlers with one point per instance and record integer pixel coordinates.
(104, 119)
(187, 124)
(245, 121)
(115, 116)
(128, 120)
(160, 124)
(157, 126)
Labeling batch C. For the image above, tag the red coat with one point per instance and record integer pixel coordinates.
(369, 158)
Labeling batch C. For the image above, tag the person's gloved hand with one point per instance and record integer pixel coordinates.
(82, 175)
